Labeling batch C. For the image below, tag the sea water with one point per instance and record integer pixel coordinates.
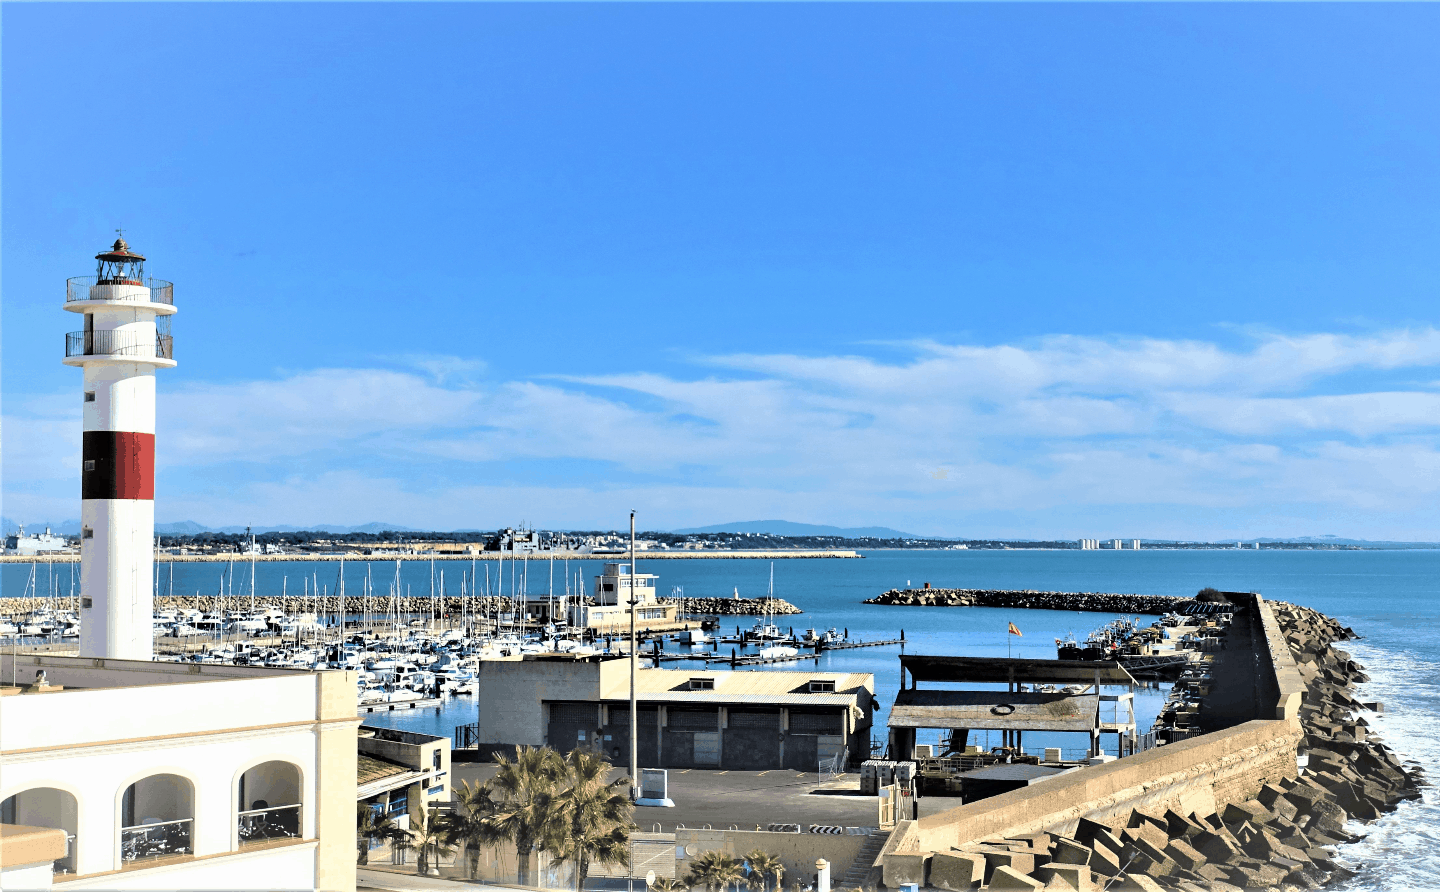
(1389, 597)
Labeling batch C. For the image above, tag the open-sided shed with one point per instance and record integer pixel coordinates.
(1039, 695)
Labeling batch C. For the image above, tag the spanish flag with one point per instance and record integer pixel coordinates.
(1015, 631)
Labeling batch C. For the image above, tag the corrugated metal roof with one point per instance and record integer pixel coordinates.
(718, 697)
(733, 683)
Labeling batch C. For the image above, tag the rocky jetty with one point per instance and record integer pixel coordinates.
(738, 606)
(1101, 602)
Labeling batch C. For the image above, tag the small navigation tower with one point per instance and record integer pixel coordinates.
(125, 339)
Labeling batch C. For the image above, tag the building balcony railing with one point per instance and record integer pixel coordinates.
(158, 840)
(264, 824)
(161, 291)
(119, 342)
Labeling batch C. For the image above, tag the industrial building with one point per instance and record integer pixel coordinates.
(712, 718)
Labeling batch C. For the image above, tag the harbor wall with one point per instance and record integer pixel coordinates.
(1200, 775)
(1029, 599)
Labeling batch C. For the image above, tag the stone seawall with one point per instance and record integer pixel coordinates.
(1028, 599)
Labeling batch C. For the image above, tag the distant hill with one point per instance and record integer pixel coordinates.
(791, 528)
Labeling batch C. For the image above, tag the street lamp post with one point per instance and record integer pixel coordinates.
(634, 663)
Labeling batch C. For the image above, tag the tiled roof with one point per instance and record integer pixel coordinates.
(369, 769)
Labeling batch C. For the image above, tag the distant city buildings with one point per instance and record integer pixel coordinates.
(1115, 544)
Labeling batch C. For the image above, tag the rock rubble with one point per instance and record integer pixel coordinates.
(1028, 599)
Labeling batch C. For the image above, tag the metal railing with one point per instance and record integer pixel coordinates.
(118, 342)
(158, 840)
(161, 291)
(262, 824)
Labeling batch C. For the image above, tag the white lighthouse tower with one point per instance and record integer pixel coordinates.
(125, 339)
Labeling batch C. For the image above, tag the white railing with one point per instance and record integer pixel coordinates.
(263, 824)
(156, 840)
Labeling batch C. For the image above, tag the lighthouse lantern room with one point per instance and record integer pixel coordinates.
(126, 337)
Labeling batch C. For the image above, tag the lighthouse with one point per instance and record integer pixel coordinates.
(125, 338)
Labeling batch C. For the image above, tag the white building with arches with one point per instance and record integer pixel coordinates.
(180, 776)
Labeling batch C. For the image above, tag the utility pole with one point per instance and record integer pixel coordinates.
(634, 663)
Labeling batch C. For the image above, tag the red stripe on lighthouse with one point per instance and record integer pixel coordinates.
(118, 465)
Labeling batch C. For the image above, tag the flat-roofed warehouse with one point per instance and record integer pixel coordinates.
(712, 718)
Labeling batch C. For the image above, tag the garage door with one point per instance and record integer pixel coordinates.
(707, 748)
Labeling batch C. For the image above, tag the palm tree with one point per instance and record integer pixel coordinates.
(764, 865)
(667, 884)
(524, 812)
(371, 824)
(427, 834)
(714, 871)
(466, 824)
(593, 815)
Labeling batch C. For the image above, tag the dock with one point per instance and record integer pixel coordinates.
(756, 660)
(406, 704)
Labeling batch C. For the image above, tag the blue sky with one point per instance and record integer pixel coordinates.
(1015, 270)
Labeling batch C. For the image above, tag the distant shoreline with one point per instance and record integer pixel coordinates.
(483, 556)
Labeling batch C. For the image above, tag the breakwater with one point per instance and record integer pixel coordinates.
(449, 605)
(1028, 599)
(738, 606)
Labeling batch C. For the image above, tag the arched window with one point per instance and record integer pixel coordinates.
(157, 815)
(269, 800)
(45, 807)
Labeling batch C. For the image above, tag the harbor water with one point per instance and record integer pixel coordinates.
(1388, 597)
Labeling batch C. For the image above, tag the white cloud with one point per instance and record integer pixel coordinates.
(1055, 428)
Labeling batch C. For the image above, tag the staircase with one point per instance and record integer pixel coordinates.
(859, 870)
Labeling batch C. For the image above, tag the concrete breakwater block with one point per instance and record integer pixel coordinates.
(1010, 878)
(957, 871)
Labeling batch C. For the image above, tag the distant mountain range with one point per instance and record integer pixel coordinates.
(791, 528)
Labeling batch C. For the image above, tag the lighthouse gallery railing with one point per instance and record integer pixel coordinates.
(161, 291)
(119, 343)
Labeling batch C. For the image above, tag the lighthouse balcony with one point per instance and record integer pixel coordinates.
(83, 292)
(120, 345)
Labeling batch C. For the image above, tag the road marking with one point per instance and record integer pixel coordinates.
(722, 772)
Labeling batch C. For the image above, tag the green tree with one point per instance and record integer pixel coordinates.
(427, 836)
(667, 884)
(764, 865)
(371, 825)
(593, 815)
(525, 812)
(468, 823)
(714, 871)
